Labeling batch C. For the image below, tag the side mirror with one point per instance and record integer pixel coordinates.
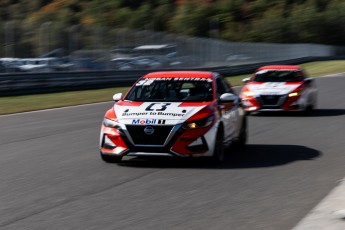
(246, 80)
(228, 97)
(117, 97)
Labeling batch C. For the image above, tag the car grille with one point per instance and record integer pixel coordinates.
(269, 99)
(158, 137)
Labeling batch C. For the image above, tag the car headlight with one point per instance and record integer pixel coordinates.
(248, 94)
(295, 94)
(201, 123)
(110, 123)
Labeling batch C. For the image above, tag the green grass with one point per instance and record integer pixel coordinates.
(316, 69)
(16, 104)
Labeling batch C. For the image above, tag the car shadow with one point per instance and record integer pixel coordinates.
(252, 156)
(314, 113)
(257, 156)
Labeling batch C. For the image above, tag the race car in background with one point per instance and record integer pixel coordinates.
(174, 113)
(279, 88)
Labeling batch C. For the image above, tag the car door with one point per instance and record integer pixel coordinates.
(229, 110)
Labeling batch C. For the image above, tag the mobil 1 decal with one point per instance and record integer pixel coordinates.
(148, 122)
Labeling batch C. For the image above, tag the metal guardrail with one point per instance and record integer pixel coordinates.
(35, 83)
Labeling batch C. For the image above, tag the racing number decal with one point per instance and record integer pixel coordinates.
(163, 106)
(144, 82)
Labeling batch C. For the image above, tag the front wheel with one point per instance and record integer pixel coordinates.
(243, 135)
(111, 158)
(218, 152)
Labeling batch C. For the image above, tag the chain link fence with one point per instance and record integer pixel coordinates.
(55, 47)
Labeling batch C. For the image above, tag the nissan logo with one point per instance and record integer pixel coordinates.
(149, 130)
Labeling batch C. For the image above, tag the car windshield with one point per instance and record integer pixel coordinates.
(278, 76)
(172, 89)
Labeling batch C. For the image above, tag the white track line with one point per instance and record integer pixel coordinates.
(333, 75)
(52, 109)
(329, 214)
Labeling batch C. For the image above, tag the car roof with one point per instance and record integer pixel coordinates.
(181, 74)
(281, 67)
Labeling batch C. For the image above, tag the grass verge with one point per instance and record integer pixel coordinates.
(16, 104)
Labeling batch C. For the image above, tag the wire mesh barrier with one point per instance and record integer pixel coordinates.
(56, 58)
(34, 83)
(84, 48)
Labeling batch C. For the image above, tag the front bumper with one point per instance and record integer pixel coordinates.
(274, 103)
(177, 143)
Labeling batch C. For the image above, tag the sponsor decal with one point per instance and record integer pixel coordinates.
(149, 81)
(148, 122)
(154, 113)
(170, 114)
(161, 122)
(135, 114)
(147, 112)
(155, 109)
(193, 79)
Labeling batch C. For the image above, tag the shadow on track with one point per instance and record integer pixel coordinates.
(314, 113)
(253, 156)
(327, 113)
(257, 156)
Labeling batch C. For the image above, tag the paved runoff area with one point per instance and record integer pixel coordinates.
(329, 214)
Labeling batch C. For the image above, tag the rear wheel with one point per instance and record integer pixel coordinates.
(111, 158)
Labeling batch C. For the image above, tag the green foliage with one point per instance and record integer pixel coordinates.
(279, 21)
(191, 19)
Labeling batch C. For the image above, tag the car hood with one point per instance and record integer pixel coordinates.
(273, 88)
(156, 113)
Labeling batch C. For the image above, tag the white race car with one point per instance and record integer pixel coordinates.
(174, 113)
(279, 88)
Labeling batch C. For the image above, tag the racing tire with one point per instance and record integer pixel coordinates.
(111, 158)
(247, 113)
(218, 156)
(243, 135)
(308, 110)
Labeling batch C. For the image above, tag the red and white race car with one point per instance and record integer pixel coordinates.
(277, 88)
(174, 113)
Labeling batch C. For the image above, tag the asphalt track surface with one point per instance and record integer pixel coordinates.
(52, 176)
